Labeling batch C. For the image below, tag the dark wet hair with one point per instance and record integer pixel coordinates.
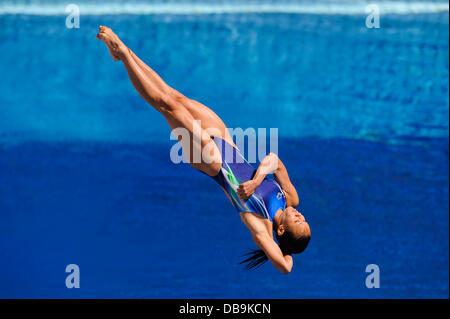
(288, 244)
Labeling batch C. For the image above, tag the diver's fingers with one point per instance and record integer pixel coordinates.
(243, 195)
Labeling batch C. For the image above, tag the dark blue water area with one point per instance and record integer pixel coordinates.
(140, 226)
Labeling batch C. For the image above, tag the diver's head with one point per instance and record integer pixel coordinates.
(292, 232)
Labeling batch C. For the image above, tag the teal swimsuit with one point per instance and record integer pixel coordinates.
(268, 197)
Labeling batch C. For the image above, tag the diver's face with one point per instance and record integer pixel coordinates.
(295, 222)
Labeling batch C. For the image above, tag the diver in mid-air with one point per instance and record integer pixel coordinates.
(265, 205)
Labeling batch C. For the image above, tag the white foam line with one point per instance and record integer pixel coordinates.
(188, 9)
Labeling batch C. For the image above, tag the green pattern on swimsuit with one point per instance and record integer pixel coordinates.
(232, 178)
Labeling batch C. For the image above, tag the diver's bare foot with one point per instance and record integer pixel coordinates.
(116, 47)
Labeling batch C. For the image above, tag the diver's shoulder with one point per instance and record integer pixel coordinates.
(256, 223)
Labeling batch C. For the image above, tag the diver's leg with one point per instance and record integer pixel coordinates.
(152, 91)
(200, 150)
(209, 119)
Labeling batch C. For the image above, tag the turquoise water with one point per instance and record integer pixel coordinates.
(86, 178)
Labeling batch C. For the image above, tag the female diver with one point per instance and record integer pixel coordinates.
(264, 205)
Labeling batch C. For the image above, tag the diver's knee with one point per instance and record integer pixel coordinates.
(168, 104)
(173, 101)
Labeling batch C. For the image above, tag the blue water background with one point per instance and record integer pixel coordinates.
(86, 178)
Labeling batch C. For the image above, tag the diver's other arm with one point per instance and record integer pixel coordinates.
(271, 164)
(282, 177)
(267, 166)
(273, 252)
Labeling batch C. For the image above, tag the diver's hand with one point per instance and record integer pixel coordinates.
(245, 190)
